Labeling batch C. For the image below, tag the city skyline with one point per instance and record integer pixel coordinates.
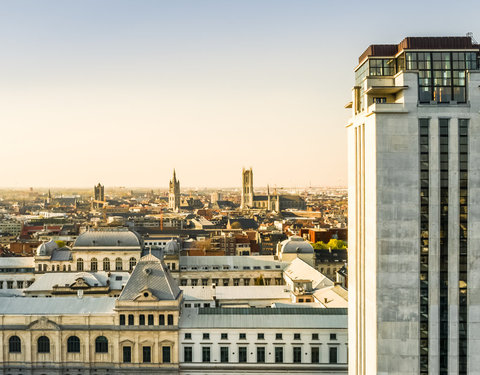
(121, 93)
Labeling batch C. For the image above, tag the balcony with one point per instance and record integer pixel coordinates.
(386, 108)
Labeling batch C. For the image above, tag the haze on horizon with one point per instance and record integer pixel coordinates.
(123, 91)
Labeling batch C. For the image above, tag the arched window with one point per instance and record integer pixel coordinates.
(106, 264)
(64, 267)
(69, 267)
(14, 344)
(58, 267)
(43, 344)
(118, 264)
(132, 262)
(73, 344)
(101, 344)
(94, 264)
(79, 264)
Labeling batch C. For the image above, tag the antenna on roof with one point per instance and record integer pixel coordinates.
(470, 34)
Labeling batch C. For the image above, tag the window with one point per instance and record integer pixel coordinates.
(187, 354)
(43, 343)
(79, 264)
(296, 336)
(161, 320)
(93, 264)
(204, 282)
(150, 319)
(131, 263)
(297, 354)
(106, 264)
(236, 282)
(166, 354)
(14, 344)
(122, 319)
(260, 336)
(224, 336)
(101, 344)
(183, 282)
(225, 282)
(127, 354)
(9, 284)
(278, 354)
(224, 354)
(315, 354)
(170, 319)
(246, 282)
(242, 354)
(205, 354)
(19, 284)
(188, 336)
(147, 354)
(380, 100)
(141, 320)
(194, 282)
(260, 354)
(206, 336)
(215, 281)
(278, 336)
(332, 354)
(314, 336)
(118, 264)
(333, 336)
(73, 344)
(131, 320)
(242, 336)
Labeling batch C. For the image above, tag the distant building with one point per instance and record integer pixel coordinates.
(99, 196)
(174, 193)
(275, 202)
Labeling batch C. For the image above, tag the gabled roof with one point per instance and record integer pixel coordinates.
(151, 277)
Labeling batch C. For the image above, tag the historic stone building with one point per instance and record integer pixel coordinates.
(95, 250)
(274, 202)
(136, 333)
(174, 193)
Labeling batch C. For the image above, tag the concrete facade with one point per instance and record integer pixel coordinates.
(385, 223)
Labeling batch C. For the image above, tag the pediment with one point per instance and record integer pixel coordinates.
(145, 295)
(43, 324)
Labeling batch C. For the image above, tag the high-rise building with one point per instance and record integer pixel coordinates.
(414, 208)
(174, 193)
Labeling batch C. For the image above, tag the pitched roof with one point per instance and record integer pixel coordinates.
(150, 274)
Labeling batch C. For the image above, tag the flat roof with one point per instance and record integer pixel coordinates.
(426, 43)
(56, 306)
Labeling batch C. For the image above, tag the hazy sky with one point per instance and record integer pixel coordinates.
(124, 91)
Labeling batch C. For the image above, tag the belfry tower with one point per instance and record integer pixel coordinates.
(174, 193)
(247, 188)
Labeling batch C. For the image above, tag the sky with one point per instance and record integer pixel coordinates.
(123, 91)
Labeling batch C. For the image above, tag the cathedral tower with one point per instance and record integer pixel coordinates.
(247, 188)
(174, 193)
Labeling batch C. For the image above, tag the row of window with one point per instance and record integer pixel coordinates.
(216, 268)
(106, 264)
(234, 282)
(101, 346)
(261, 354)
(145, 319)
(20, 284)
(43, 344)
(260, 336)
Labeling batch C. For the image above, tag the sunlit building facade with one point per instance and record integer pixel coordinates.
(414, 208)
